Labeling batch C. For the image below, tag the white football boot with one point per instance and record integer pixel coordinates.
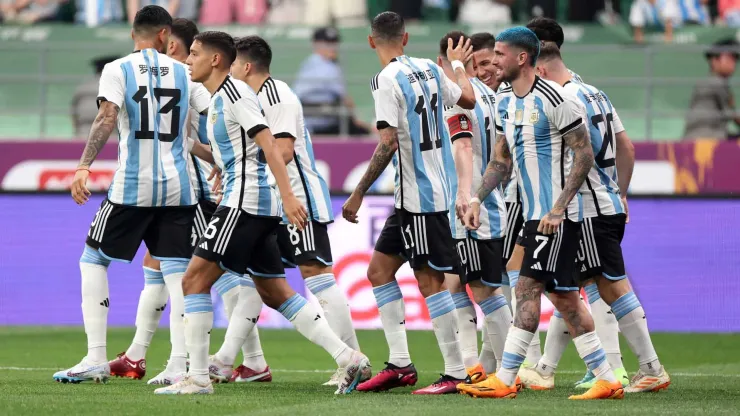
(84, 371)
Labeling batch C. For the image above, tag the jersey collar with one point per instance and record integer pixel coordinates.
(263, 84)
(534, 84)
(222, 84)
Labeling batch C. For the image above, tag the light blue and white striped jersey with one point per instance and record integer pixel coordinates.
(94, 13)
(410, 94)
(600, 192)
(153, 93)
(479, 126)
(200, 170)
(234, 118)
(284, 115)
(534, 126)
(644, 13)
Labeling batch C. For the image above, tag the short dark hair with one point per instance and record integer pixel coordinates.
(482, 40)
(522, 38)
(388, 26)
(151, 18)
(549, 51)
(455, 36)
(221, 41)
(547, 30)
(185, 30)
(256, 51)
(728, 45)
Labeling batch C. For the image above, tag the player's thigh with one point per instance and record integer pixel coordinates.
(389, 253)
(428, 241)
(203, 213)
(169, 235)
(514, 222)
(453, 283)
(551, 259)
(225, 241)
(481, 260)
(150, 262)
(266, 266)
(117, 230)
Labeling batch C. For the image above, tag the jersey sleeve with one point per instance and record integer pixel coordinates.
(248, 114)
(451, 92)
(458, 123)
(616, 122)
(112, 85)
(281, 118)
(497, 119)
(387, 107)
(569, 114)
(200, 99)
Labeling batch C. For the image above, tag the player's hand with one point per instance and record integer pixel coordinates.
(217, 187)
(461, 205)
(626, 208)
(462, 52)
(351, 207)
(80, 193)
(550, 222)
(295, 211)
(472, 216)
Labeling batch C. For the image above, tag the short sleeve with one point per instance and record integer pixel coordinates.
(451, 92)
(281, 118)
(112, 85)
(616, 122)
(458, 123)
(386, 102)
(497, 119)
(248, 114)
(637, 13)
(568, 115)
(200, 99)
(670, 11)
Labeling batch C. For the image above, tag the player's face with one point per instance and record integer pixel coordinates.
(199, 62)
(505, 60)
(485, 70)
(239, 69)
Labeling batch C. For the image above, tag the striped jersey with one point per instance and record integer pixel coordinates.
(153, 93)
(234, 118)
(534, 126)
(479, 126)
(410, 94)
(200, 170)
(600, 191)
(284, 115)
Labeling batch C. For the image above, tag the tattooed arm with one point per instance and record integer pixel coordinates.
(101, 130)
(497, 172)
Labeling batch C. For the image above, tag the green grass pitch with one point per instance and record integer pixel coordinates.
(705, 371)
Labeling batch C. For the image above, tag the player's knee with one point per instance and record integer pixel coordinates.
(314, 268)
(482, 292)
(92, 256)
(151, 262)
(611, 290)
(227, 282)
(453, 284)
(378, 276)
(273, 291)
(430, 281)
(195, 281)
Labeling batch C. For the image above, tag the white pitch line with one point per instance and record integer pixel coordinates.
(317, 371)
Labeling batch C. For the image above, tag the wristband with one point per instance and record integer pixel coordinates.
(475, 199)
(457, 64)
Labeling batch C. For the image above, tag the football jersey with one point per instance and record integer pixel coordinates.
(284, 115)
(200, 170)
(410, 94)
(534, 126)
(478, 125)
(153, 93)
(234, 118)
(600, 191)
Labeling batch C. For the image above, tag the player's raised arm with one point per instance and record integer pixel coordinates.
(497, 172)
(460, 128)
(459, 55)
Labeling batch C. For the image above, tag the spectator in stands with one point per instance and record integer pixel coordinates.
(94, 13)
(28, 11)
(337, 12)
(712, 103)
(286, 12)
(187, 9)
(729, 12)
(84, 101)
(666, 15)
(474, 12)
(321, 87)
(224, 12)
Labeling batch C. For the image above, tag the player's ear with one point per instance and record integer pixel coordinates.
(132, 34)
(370, 41)
(439, 61)
(216, 60)
(405, 38)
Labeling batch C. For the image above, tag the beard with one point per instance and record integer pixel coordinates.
(508, 74)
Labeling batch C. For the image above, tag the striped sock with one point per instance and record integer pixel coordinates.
(152, 301)
(335, 306)
(498, 321)
(228, 286)
(95, 303)
(467, 326)
(173, 271)
(198, 323)
(632, 322)
(393, 317)
(515, 350)
(556, 341)
(444, 320)
(590, 350)
(606, 325)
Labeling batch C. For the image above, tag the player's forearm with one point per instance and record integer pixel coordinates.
(277, 166)
(285, 146)
(203, 152)
(101, 130)
(583, 160)
(173, 7)
(625, 161)
(498, 170)
(132, 6)
(381, 158)
(463, 154)
(467, 99)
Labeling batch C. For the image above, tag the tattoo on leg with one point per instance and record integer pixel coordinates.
(528, 295)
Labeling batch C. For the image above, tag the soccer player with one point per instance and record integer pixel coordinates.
(151, 195)
(605, 216)
(309, 249)
(542, 125)
(479, 251)
(242, 234)
(409, 96)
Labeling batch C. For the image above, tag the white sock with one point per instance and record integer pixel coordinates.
(393, 317)
(606, 325)
(309, 322)
(513, 279)
(243, 320)
(173, 274)
(498, 321)
(335, 306)
(590, 350)
(152, 301)
(487, 358)
(534, 352)
(515, 350)
(228, 287)
(444, 320)
(506, 288)
(467, 327)
(198, 324)
(95, 303)
(633, 324)
(556, 341)
(252, 353)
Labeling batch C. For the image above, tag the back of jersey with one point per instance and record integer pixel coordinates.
(152, 92)
(600, 191)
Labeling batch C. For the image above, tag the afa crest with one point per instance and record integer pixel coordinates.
(213, 117)
(518, 116)
(535, 116)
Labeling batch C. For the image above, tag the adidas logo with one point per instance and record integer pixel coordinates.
(317, 317)
(254, 320)
(203, 245)
(537, 266)
(402, 322)
(474, 320)
(160, 309)
(297, 252)
(583, 268)
(505, 116)
(105, 303)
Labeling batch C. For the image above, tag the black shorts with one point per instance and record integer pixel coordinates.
(242, 243)
(118, 230)
(480, 260)
(203, 214)
(421, 239)
(600, 250)
(552, 258)
(514, 222)
(301, 247)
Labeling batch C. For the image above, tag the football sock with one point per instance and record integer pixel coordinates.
(633, 324)
(467, 328)
(513, 279)
(606, 325)
(498, 321)
(393, 317)
(198, 323)
(590, 350)
(228, 287)
(152, 301)
(309, 322)
(534, 352)
(243, 320)
(506, 287)
(487, 358)
(517, 342)
(556, 341)
(335, 306)
(173, 271)
(95, 303)
(444, 320)
(254, 358)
